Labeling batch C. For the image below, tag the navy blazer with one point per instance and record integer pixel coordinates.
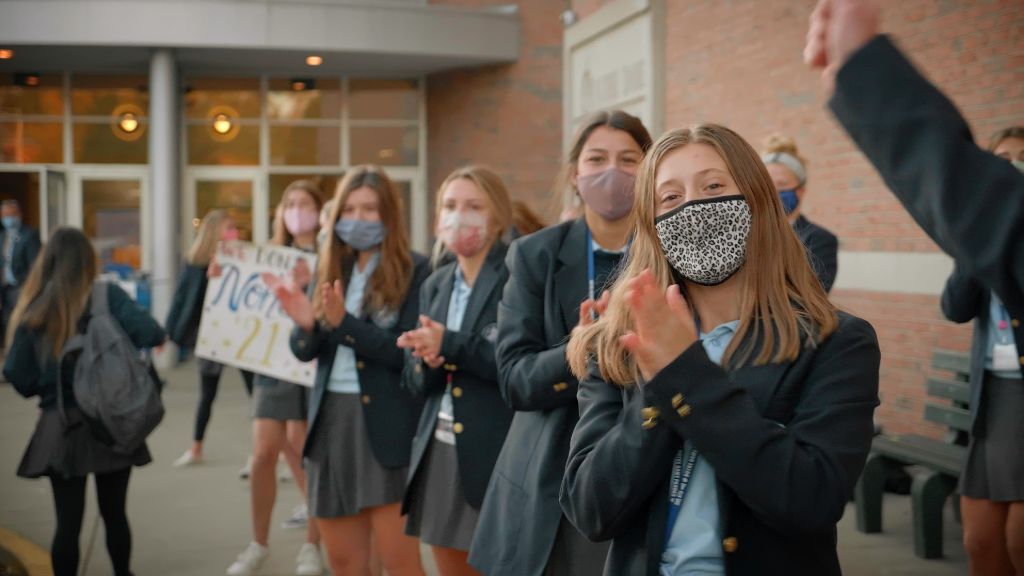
(822, 250)
(186, 309)
(787, 443)
(23, 256)
(921, 145)
(481, 416)
(520, 515)
(390, 411)
(965, 299)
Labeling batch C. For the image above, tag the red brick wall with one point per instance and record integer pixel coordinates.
(739, 63)
(508, 117)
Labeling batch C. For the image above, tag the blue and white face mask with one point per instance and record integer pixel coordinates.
(11, 222)
(789, 200)
(360, 234)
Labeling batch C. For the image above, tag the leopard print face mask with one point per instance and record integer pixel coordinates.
(706, 240)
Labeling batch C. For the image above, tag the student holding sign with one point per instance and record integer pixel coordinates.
(361, 421)
(279, 408)
(452, 363)
(184, 316)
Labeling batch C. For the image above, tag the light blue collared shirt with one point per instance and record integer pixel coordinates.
(456, 311)
(344, 376)
(693, 548)
(996, 313)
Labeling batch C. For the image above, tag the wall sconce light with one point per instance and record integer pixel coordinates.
(223, 123)
(128, 122)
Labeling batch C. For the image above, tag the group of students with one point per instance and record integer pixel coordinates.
(659, 386)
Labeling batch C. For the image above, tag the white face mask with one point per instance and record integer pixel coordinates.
(464, 233)
(706, 240)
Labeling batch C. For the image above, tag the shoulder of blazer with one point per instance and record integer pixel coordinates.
(850, 330)
(549, 240)
(810, 229)
(433, 282)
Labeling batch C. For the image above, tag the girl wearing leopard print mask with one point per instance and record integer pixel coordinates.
(725, 404)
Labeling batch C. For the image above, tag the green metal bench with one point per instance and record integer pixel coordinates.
(941, 461)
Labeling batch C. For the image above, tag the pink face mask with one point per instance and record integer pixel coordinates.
(300, 221)
(464, 233)
(609, 193)
(229, 234)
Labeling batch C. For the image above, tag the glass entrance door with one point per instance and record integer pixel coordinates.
(112, 219)
(238, 193)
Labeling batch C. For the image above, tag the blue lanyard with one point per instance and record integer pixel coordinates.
(591, 284)
(677, 488)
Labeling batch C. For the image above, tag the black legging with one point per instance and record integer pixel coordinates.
(208, 392)
(69, 500)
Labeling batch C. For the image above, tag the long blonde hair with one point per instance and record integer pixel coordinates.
(282, 236)
(782, 304)
(57, 289)
(390, 281)
(207, 237)
(490, 184)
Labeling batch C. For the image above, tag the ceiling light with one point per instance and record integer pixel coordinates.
(128, 122)
(6, 53)
(314, 60)
(222, 123)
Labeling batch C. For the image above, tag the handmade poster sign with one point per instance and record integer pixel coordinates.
(243, 324)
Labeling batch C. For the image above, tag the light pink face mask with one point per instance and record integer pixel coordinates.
(229, 235)
(609, 193)
(464, 233)
(300, 221)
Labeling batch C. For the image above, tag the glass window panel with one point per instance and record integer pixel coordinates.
(24, 188)
(235, 196)
(107, 143)
(278, 182)
(241, 147)
(284, 102)
(111, 219)
(385, 145)
(405, 191)
(204, 97)
(26, 142)
(384, 99)
(109, 95)
(305, 146)
(46, 97)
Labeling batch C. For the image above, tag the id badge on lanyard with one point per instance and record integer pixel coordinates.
(1004, 352)
(682, 471)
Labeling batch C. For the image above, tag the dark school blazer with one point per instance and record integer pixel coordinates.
(391, 412)
(520, 515)
(965, 299)
(822, 248)
(787, 443)
(186, 309)
(481, 416)
(920, 144)
(23, 253)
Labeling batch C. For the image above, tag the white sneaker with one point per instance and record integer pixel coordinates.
(299, 519)
(308, 562)
(284, 474)
(249, 560)
(186, 459)
(245, 471)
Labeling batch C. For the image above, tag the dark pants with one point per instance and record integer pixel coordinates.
(69, 500)
(8, 300)
(209, 383)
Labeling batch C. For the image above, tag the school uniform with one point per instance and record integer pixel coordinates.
(521, 531)
(361, 420)
(71, 450)
(464, 419)
(777, 451)
(994, 468)
(822, 250)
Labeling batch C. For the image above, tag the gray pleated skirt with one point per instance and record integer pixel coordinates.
(343, 475)
(439, 513)
(73, 451)
(277, 400)
(995, 462)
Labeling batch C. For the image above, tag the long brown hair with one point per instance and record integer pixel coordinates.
(493, 187)
(617, 119)
(782, 303)
(207, 237)
(390, 281)
(57, 289)
(1009, 132)
(282, 236)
